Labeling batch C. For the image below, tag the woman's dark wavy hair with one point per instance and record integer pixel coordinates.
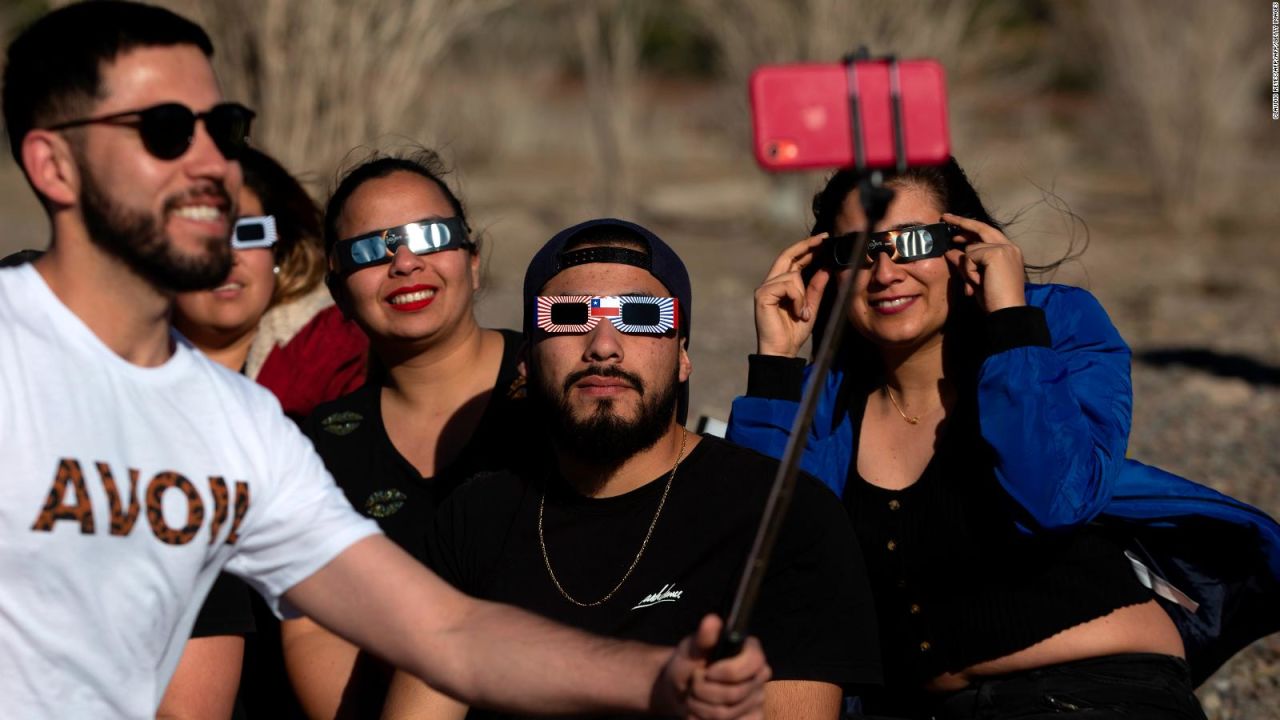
(298, 252)
(422, 162)
(949, 186)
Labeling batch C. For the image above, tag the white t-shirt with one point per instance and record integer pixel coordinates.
(114, 521)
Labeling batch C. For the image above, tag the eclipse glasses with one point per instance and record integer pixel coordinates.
(904, 245)
(378, 247)
(257, 231)
(631, 314)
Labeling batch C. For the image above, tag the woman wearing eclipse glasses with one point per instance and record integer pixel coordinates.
(442, 397)
(272, 317)
(975, 426)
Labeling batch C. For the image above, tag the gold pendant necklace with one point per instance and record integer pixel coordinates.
(546, 559)
(913, 419)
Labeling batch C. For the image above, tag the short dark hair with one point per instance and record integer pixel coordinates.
(54, 68)
(422, 162)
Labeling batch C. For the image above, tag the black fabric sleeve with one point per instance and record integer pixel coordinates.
(1015, 327)
(775, 377)
(816, 616)
(226, 610)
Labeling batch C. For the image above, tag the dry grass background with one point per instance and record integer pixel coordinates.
(1142, 126)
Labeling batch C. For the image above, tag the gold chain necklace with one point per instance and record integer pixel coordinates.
(913, 419)
(546, 559)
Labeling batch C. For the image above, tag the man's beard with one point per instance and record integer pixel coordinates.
(604, 439)
(141, 244)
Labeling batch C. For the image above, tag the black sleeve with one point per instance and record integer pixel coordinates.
(775, 377)
(1016, 327)
(226, 609)
(816, 616)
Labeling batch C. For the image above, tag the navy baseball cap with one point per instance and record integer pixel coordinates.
(660, 261)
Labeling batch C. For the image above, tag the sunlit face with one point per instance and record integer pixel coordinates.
(169, 220)
(897, 305)
(237, 304)
(414, 298)
(610, 394)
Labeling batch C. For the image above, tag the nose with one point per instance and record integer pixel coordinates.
(885, 271)
(604, 342)
(404, 261)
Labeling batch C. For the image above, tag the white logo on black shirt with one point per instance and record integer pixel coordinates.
(668, 593)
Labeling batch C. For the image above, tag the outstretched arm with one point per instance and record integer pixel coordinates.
(492, 655)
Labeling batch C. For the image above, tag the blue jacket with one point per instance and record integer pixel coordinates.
(1058, 418)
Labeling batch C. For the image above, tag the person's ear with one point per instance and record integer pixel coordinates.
(686, 365)
(475, 271)
(51, 167)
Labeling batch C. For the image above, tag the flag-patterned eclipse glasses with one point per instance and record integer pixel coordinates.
(632, 314)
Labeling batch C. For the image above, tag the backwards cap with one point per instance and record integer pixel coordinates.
(660, 261)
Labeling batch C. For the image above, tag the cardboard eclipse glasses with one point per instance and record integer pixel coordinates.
(422, 238)
(254, 231)
(631, 314)
(904, 245)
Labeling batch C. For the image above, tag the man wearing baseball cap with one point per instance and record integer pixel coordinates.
(632, 526)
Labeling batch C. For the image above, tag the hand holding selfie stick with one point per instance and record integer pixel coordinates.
(875, 198)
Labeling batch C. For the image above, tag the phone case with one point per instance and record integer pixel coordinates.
(800, 114)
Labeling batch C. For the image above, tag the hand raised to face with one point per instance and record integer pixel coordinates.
(785, 305)
(988, 263)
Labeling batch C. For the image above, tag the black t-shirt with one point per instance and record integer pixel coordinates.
(815, 614)
(380, 483)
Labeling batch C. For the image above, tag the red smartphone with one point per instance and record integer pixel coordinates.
(800, 114)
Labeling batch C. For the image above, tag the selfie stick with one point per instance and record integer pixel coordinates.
(875, 199)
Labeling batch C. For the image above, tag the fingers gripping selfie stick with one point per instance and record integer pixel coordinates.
(875, 198)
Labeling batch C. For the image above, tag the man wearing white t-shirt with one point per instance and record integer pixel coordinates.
(135, 469)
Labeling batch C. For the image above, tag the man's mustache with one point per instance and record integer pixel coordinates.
(610, 371)
(207, 189)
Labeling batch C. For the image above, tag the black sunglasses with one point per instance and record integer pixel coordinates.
(168, 130)
(904, 245)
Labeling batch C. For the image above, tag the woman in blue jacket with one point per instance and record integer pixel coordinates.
(974, 425)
